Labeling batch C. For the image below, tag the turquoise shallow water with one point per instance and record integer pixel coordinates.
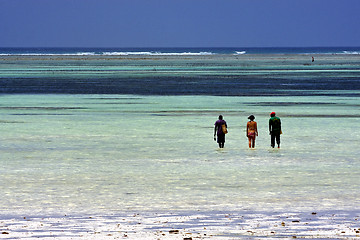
(64, 154)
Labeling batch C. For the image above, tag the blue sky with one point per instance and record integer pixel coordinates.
(179, 23)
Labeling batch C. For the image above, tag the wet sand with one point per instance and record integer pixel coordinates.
(211, 225)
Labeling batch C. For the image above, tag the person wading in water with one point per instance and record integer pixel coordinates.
(219, 131)
(275, 129)
(251, 131)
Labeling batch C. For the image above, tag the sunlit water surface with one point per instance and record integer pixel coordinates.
(64, 154)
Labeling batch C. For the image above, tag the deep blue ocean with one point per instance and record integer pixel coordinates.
(180, 71)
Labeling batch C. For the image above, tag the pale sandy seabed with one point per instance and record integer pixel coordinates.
(254, 225)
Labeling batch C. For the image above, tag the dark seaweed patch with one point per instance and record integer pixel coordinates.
(289, 103)
(122, 103)
(265, 104)
(39, 114)
(4, 121)
(113, 98)
(322, 116)
(43, 108)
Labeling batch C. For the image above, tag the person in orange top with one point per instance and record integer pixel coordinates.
(251, 131)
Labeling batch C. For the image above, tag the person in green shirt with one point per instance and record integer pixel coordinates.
(275, 129)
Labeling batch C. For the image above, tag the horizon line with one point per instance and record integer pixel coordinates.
(194, 47)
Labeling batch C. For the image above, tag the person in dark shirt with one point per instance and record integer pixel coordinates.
(218, 131)
(275, 129)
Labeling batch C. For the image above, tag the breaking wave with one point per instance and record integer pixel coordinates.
(111, 54)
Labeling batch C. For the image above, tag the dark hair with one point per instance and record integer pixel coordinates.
(251, 117)
(220, 117)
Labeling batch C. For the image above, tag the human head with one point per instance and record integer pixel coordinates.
(220, 117)
(251, 117)
(272, 114)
